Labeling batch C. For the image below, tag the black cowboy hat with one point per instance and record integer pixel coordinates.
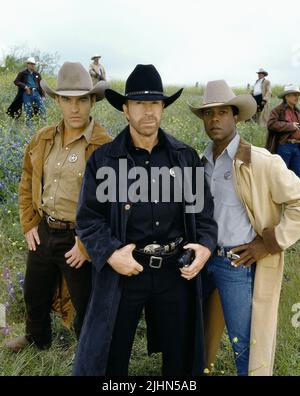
(144, 84)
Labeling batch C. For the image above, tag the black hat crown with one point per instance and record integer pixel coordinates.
(144, 79)
(143, 84)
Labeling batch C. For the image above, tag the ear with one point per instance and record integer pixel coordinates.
(125, 108)
(93, 100)
(56, 99)
(235, 119)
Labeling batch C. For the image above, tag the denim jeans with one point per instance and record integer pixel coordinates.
(235, 286)
(290, 153)
(30, 100)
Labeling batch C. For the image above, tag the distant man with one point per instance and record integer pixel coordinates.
(29, 93)
(96, 70)
(54, 164)
(262, 94)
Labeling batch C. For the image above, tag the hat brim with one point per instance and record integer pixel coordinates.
(117, 100)
(264, 73)
(245, 103)
(98, 90)
(283, 94)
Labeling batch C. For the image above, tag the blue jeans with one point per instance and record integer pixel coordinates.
(235, 286)
(33, 99)
(290, 153)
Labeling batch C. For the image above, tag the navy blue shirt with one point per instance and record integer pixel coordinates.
(157, 221)
(31, 83)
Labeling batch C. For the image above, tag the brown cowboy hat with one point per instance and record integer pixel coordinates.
(217, 93)
(74, 80)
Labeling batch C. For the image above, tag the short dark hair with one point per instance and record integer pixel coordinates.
(235, 110)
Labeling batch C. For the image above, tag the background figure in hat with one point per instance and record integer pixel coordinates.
(54, 164)
(29, 92)
(262, 94)
(135, 245)
(257, 209)
(96, 70)
(284, 128)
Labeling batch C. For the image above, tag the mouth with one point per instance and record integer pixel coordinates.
(215, 129)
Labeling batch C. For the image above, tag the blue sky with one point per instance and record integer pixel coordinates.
(187, 40)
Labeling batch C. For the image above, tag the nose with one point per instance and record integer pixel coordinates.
(74, 107)
(148, 108)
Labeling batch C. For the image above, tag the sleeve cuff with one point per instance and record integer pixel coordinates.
(270, 242)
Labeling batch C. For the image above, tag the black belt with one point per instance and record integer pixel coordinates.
(168, 260)
(157, 250)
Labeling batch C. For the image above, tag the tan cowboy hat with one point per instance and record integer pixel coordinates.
(31, 60)
(290, 88)
(217, 93)
(263, 71)
(74, 80)
(96, 56)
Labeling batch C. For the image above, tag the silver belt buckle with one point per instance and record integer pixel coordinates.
(232, 256)
(50, 218)
(150, 249)
(155, 266)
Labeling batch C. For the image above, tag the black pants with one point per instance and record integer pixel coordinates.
(169, 302)
(44, 267)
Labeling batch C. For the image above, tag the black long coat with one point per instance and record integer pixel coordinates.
(15, 109)
(102, 228)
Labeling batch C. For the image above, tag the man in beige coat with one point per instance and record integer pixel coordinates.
(96, 70)
(257, 208)
(262, 94)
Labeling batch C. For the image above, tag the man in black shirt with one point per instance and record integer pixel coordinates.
(136, 242)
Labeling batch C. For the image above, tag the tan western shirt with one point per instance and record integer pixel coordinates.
(62, 174)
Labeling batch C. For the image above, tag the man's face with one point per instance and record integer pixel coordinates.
(143, 116)
(261, 75)
(219, 123)
(75, 110)
(31, 66)
(292, 98)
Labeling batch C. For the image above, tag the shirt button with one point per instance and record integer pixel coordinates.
(79, 174)
(127, 207)
(157, 223)
(67, 148)
(53, 212)
(156, 201)
(147, 162)
(51, 197)
(153, 181)
(55, 181)
(58, 164)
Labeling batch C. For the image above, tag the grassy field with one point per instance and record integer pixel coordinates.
(179, 121)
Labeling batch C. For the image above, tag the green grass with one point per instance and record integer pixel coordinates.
(58, 359)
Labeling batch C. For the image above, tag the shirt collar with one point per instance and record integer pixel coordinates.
(87, 133)
(231, 149)
(131, 146)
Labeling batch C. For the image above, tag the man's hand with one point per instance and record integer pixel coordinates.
(28, 91)
(32, 237)
(296, 125)
(75, 257)
(202, 254)
(250, 253)
(123, 262)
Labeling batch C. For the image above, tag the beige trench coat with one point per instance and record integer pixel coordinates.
(271, 195)
(263, 116)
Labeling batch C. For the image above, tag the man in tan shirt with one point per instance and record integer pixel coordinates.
(54, 164)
